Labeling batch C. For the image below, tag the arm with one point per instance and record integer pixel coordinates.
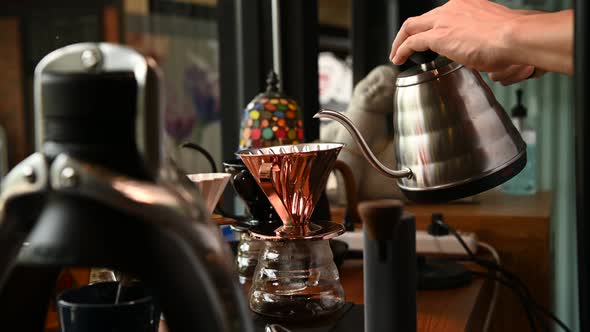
(542, 40)
(489, 37)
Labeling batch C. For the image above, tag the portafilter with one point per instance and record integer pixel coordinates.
(452, 138)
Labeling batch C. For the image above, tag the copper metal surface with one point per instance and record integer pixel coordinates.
(293, 178)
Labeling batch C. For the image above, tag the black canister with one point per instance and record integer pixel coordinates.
(390, 279)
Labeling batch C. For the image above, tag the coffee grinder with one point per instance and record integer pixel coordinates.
(296, 278)
(100, 193)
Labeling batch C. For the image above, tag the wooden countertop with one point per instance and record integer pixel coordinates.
(454, 310)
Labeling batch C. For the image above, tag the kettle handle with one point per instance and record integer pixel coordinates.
(423, 57)
(358, 138)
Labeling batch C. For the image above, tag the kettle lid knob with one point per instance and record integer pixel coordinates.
(423, 57)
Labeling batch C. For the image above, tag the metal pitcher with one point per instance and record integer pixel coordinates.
(452, 137)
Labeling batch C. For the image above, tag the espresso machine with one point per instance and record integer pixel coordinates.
(99, 192)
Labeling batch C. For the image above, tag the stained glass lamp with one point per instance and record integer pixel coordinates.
(271, 118)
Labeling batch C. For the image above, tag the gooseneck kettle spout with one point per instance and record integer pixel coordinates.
(358, 138)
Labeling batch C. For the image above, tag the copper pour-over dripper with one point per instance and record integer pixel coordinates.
(293, 178)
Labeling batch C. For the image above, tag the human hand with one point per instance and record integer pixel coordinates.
(513, 74)
(470, 32)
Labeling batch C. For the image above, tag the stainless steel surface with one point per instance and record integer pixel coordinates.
(426, 72)
(27, 178)
(449, 129)
(277, 59)
(91, 59)
(105, 57)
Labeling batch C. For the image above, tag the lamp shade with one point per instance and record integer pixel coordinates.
(271, 118)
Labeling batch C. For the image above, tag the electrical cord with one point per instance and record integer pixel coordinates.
(524, 301)
(529, 312)
(492, 308)
(508, 279)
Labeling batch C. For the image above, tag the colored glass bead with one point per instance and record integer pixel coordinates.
(290, 115)
(284, 101)
(274, 101)
(292, 107)
(292, 134)
(281, 133)
(270, 107)
(267, 133)
(254, 115)
(300, 133)
(264, 123)
(255, 133)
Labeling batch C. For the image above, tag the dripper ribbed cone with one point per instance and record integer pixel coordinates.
(211, 186)
(293, 178)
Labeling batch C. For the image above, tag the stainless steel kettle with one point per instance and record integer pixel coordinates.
(452, 137)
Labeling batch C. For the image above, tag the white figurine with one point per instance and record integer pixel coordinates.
(370, 109)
